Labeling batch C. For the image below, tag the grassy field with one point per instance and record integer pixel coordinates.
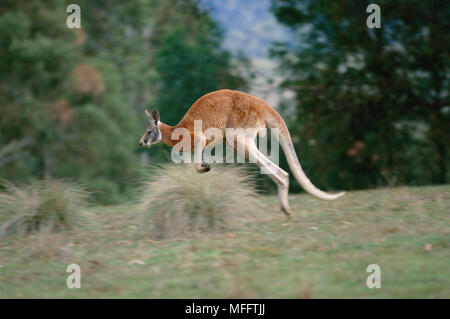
(321, 252)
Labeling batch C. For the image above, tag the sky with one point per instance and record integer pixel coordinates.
(249, 25)
(251, 28)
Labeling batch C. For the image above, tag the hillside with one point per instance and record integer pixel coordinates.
(322, 252)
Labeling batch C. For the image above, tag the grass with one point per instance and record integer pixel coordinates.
(321, 252)
(43, 206)
(177, 202)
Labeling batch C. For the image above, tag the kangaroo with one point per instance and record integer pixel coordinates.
(234, 109)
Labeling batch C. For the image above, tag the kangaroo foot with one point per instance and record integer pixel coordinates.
(203, 167)
(287, 211)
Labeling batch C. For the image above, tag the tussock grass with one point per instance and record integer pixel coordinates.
(48, 205)
(178, 201)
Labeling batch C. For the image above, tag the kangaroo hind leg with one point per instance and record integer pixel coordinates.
(278, 175)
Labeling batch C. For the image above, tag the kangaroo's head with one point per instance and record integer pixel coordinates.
(152, 134)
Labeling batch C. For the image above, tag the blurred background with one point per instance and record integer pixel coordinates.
(366, 107)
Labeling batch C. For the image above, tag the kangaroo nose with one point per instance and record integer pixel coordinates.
(140, 143)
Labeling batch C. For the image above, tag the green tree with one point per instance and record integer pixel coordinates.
(372, 104)
(36, 56)
(189, 59)
(72, 100)
(64, 112)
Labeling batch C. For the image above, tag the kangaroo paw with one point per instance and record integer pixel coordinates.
(204, 168)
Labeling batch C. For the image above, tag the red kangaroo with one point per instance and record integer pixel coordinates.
(234, 109)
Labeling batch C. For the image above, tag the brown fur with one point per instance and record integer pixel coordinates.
(225, 109)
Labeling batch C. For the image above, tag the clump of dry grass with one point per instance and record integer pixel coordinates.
(178, 201)
(53, 205)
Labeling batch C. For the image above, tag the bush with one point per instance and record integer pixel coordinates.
(178, 201)
(50, 205)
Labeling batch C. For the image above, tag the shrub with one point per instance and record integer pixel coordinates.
(53, 205)
(178, 201)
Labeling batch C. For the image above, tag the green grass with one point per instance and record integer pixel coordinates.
(321, 252)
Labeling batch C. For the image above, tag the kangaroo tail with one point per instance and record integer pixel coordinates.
(294, 164)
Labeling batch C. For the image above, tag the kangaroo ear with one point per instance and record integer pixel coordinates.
(149, 116)
(155, 115)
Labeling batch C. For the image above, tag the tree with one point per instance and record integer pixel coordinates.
(371, 103)
(63, 110)
(72, 100)
(189, 59)
(36, 57)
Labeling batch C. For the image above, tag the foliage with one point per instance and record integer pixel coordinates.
(372, 104)
(189, 60)
(72, 100)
